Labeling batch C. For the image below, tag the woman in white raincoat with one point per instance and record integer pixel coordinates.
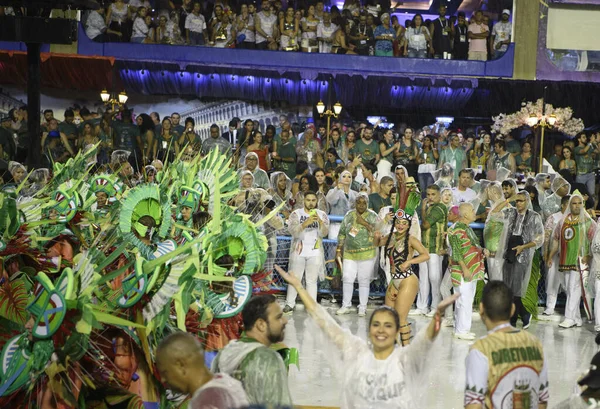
(377, 373)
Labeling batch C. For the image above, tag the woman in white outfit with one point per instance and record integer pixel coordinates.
(376, 373)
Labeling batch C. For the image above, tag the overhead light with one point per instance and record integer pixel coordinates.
(551, 120)
(320, 107)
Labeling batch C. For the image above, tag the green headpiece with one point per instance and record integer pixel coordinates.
(104, 183)
(189, 197)
(144, 200)
(66, 205)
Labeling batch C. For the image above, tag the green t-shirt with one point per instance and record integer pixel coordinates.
(286, 151)
(376, 202)
(366, 151)
(434, 237)
(585, 161)
(68, 129)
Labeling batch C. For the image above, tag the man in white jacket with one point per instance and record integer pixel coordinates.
(307, 226)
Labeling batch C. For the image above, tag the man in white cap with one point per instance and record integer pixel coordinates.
(501, 35)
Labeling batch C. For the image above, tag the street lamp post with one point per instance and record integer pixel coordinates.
(546, 121)
(337, 109)
(109, 99)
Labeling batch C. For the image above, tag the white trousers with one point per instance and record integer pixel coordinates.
(573, 288)
(430, 279)
(351, 270)
(554, 279)
(299, 266)
(446, 291)
(463, 314)
(494, 269)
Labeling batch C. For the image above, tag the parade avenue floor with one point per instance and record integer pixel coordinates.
(568, 351)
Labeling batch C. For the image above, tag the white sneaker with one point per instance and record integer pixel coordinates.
(448, 322)
(597, 328)
(431, 313)
(568, 323)
(469, 336)
(362, 312)
(343, 310)
(416, 311)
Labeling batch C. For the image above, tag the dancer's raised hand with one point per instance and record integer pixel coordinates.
(289, 278)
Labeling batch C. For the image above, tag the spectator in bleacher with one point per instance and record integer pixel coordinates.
(478, 34)
(309, 150)
(7, 145)
(55, 146)
(418, 39)
(281, 191)
(289, 27)
(213, 141)
(127, 136)
(182, 13)
(524, 160)
(454, 155)
(261, 150)
(501, 158)
(480, 154)
(265, 25)
(556, 157)
(427, 160)
(166, 145)
(88, 137)
(195, 26)
(163, 32)
(325, 31)
(309, 30)
(384, 37)
(261, 179)
(118, 18)
(441, 34)
(48, 116)
(135, 5)
(97, 30)
(224, 34)
(501, 35)
(585, 156)
(361, 35)
(175, 121)
(147, 137)
(460, 50)
(69, 128)
(366, 148)
(215, 18)
(141, 31)
(285, 156)
(245, 27)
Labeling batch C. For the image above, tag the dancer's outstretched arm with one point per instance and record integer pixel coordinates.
(434, 326)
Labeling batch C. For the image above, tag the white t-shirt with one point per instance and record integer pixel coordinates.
(502, 32)
(221, 392)
(140, 29)
(310, 237)
(461, 196)
(195, 23)
(94, 25)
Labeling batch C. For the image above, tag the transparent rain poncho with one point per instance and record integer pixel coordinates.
(552, 203)
(394, 383)
(491, 196)
(530, 228)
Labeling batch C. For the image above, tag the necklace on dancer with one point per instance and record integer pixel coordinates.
(499, 327)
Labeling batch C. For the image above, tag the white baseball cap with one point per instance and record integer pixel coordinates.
(506, 11)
